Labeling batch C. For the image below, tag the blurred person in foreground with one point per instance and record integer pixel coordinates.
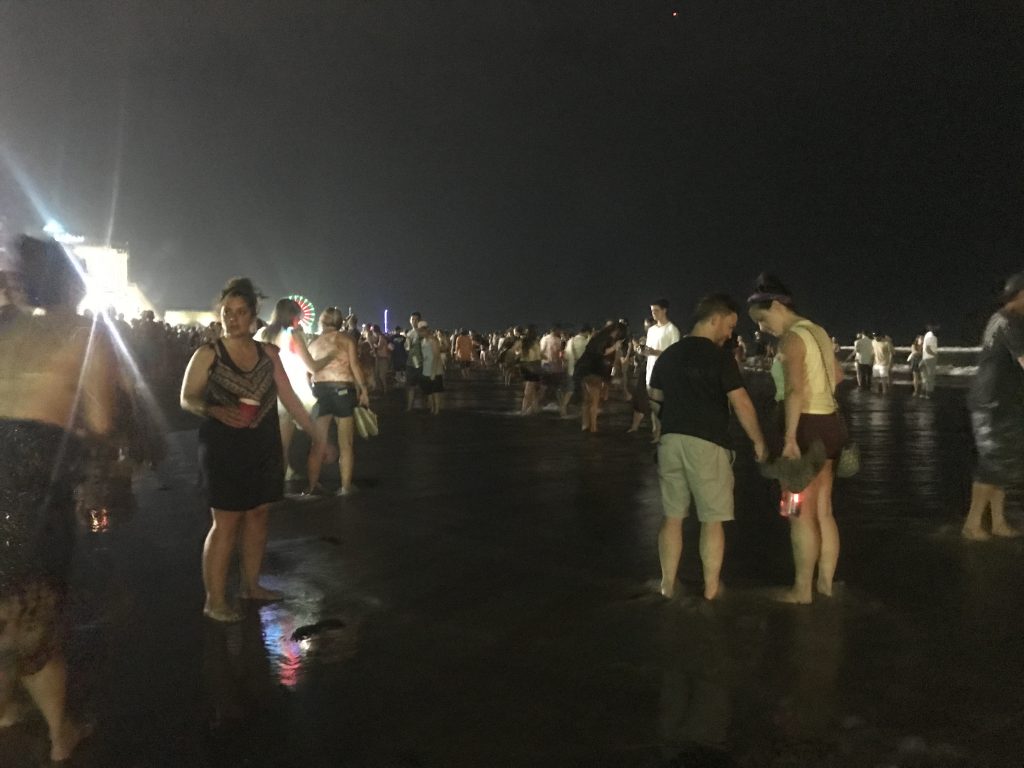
(234, 384)
(996, 403)
(810, 374)
(56, 387)
(693, 383)
(338, 388)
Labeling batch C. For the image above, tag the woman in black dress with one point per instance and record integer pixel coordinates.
(234, 383)
(593, 371)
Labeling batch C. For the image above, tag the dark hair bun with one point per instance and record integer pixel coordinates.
(239, 286)
(769, 283)
(243, 288)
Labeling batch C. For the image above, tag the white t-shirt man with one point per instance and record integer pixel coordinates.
(930, 349)
(864, 348)
(660, 337)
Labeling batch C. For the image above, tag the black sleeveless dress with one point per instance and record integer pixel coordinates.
(244, 468)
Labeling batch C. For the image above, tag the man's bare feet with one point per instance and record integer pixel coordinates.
(63, 744)
(792, 596)
(667, 590)
(975, 534)
(224, 615)
(1004, 531)
(823, 588)
(713, 592)
(262, 594)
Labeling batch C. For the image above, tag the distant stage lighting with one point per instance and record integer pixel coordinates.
(55, 230)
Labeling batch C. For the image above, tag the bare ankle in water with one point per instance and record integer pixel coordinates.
(972, 533)
(1003, 530)
(70, 735)
(794, 596)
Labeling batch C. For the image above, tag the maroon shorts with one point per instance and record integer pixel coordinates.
(829, 428)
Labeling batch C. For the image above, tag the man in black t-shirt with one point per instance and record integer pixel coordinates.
(692, 386)
(996, 402)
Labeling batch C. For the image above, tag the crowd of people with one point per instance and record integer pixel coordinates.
(874, 355)
(253, 384)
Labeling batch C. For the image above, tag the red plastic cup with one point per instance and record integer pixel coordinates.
(248, 408)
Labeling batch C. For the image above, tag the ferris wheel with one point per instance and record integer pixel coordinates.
(308, 316)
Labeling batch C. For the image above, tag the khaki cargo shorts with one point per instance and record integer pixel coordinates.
(688, 466)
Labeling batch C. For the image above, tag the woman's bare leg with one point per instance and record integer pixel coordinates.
(981, 496)
(217, 552)
(316, 454)
(637, 420)
(48, 689)
(9, 714)
(828, 558)
(805, 538)
(595, 404)
(998, 508)
(287, 432)
(346, 451)
(254, 545)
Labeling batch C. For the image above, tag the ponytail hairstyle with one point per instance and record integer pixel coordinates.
(285, 312)
(769, 288)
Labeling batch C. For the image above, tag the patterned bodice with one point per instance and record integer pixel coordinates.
(227, 383)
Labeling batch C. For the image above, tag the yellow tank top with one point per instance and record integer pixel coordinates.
(817, 354)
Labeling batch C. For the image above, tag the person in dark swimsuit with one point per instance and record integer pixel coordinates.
(593, 371)
(234, 383)
(56, 381)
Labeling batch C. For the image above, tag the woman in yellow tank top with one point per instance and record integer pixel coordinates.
(811, 373)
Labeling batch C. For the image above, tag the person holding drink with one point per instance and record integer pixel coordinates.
(234, 384)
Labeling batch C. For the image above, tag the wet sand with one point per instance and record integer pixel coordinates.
(485, 601)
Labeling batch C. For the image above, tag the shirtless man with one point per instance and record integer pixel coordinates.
(56, 378)
(335, 387)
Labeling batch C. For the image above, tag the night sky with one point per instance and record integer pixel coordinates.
(492, 163)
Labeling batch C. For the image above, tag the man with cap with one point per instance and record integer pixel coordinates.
(996, 402)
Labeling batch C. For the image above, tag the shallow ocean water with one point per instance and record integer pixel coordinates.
(485, 600)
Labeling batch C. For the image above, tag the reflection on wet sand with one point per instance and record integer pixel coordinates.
(480, 605)
(746, 682)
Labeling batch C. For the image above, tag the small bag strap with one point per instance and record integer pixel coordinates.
(830, 373)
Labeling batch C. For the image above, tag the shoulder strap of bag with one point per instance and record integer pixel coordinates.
(830, 373)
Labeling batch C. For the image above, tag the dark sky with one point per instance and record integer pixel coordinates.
(499, 162)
